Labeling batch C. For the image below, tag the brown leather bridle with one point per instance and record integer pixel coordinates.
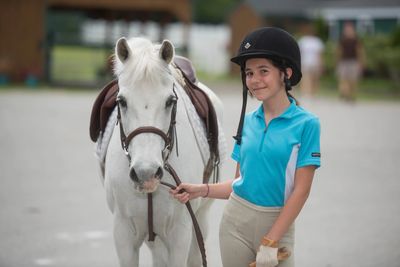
(169, 140)
(168, 137)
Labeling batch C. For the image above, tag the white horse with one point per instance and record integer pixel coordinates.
(148, 90)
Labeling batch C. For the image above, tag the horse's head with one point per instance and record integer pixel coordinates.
(146, 100)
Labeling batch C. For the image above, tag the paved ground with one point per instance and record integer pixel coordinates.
(53, 210)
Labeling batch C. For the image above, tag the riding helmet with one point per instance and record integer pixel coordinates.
(271, 42)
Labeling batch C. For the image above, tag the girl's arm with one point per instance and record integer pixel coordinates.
(293, 206)
(219, 190)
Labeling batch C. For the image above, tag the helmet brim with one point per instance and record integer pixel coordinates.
(241, 59)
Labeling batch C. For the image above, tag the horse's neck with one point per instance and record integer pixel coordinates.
(191, 130)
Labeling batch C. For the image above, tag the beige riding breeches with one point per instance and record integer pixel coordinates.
(242, 227)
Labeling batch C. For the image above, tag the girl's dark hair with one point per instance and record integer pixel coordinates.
(282, 66)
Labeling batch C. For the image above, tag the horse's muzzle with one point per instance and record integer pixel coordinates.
(146, 180)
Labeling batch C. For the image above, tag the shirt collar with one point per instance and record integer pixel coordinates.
(287, 114)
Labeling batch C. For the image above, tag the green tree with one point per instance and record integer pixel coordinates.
(321, 28)
(212, 11)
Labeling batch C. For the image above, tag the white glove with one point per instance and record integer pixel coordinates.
(267, 257)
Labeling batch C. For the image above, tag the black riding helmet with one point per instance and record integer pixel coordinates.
(272, 43)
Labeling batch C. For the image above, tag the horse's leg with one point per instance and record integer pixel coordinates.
(159, 252)
(201, 216)
(127, 242)
(178, 244)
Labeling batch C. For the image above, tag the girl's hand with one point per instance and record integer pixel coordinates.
(267, 256)
(185, 192)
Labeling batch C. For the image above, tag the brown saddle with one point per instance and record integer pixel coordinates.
(106, 102)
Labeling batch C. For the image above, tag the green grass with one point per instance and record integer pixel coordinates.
(84, 64)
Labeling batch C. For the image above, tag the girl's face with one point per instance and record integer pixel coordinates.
(264, 80)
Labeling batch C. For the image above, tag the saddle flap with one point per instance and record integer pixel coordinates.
(102, 108)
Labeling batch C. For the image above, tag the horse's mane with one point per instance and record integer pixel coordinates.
(143, 62)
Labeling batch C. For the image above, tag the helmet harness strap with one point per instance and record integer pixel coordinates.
(238, 136)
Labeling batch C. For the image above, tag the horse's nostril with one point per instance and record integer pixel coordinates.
(159, 173)
(133, 175)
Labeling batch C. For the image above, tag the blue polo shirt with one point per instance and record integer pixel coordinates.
(269, 156)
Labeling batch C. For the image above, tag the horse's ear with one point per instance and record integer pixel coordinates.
(122, 49)
(167, 51)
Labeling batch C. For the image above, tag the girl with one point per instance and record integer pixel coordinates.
(277, 151)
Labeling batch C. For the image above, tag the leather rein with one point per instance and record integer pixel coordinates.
(169, 140)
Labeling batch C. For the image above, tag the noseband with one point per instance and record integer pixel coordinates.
(169, 140)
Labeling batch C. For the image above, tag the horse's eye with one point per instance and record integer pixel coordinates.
(171, 100)
(121, 101)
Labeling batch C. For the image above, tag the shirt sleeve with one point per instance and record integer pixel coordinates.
(236, 153)
(310, 152)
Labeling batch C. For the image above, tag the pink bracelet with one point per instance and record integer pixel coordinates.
(208, 191)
